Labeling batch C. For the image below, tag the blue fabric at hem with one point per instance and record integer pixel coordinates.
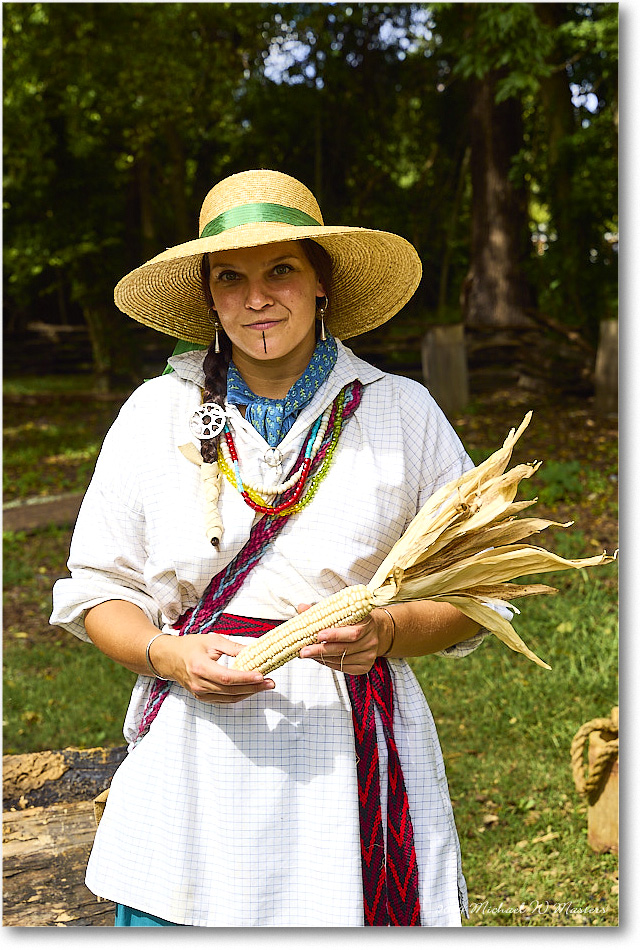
(128, 917)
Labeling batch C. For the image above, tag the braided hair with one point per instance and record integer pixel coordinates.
(215, 365)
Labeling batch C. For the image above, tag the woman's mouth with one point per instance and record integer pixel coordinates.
(262, 325)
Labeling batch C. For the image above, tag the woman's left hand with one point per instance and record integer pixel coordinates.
(352, 649)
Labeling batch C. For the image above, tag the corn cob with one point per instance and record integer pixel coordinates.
(275, 648)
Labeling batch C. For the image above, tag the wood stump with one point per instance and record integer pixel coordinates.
(603, 808)
(444, 367)
(600, 786)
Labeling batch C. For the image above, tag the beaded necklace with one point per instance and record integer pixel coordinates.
(259, 493)
(313, 441)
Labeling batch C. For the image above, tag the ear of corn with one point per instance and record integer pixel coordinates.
(464, 547)
(283, 643)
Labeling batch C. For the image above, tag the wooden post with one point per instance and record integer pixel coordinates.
(603, 821)
(606, 368)
(444, 366)
(600, 785)
(603, 809)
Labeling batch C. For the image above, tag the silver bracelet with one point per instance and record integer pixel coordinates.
(394, 631)
(149, 662)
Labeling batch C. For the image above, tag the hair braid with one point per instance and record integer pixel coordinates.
(215, 366)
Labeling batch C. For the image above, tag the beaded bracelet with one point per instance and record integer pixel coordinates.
(394, 631)
(147, 657)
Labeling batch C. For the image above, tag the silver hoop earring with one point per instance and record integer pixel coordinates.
(321, 314)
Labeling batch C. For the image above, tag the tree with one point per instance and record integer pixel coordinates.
(485, 133)
(113, 114)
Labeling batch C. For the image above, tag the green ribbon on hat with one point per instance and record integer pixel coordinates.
(255, 214)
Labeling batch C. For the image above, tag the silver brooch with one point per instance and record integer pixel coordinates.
(273, 457)
(207, 421)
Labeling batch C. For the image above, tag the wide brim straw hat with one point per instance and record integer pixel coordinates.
(374, 273)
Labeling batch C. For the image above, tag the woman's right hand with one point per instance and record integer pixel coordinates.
(192, 662)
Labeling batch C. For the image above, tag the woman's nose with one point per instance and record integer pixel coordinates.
(257, 296)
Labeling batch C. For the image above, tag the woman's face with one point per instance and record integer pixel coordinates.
(265, 298)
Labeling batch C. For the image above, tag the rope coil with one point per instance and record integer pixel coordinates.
(587, 786)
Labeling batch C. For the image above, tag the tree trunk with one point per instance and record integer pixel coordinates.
(184, 227)
(556, 105)
(97, 319)
(606, 368)
(450, 236)
(147, 229)
(496, 292)
(112, 344)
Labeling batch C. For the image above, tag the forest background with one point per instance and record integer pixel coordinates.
(485, 133)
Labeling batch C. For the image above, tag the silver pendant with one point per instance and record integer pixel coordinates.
(273, 457)
(207, 421)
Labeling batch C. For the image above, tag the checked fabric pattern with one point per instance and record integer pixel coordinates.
(390, 876)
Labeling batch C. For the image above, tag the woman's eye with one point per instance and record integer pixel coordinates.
(281, 269)
(226, 276)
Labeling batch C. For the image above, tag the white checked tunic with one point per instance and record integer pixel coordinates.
(247, 815)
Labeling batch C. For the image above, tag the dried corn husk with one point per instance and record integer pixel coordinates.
(466, 545)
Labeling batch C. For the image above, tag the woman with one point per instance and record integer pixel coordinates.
(298, 799)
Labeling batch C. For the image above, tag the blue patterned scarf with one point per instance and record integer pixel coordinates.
(273, 418)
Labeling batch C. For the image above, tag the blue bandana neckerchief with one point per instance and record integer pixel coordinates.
(273, 418)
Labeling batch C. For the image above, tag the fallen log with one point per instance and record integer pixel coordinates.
(47, 832)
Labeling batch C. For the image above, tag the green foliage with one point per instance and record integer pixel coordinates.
(504, 38)
(556, 481)
(119, 117)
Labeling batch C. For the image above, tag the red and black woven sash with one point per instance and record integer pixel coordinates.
(390, 874)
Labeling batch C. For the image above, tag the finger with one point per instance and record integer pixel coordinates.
(333, 648)
(212, 675)
(346, 662)
(221, 645)
(338, 635)
(301, 607)
(213, 692)
(223, 698)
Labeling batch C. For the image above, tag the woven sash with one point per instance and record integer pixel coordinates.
(390, 875)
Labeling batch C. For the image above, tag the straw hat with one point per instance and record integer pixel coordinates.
(374, 273)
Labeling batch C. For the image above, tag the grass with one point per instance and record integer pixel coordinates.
(43, 706)
(53, 428)
(61, 694)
